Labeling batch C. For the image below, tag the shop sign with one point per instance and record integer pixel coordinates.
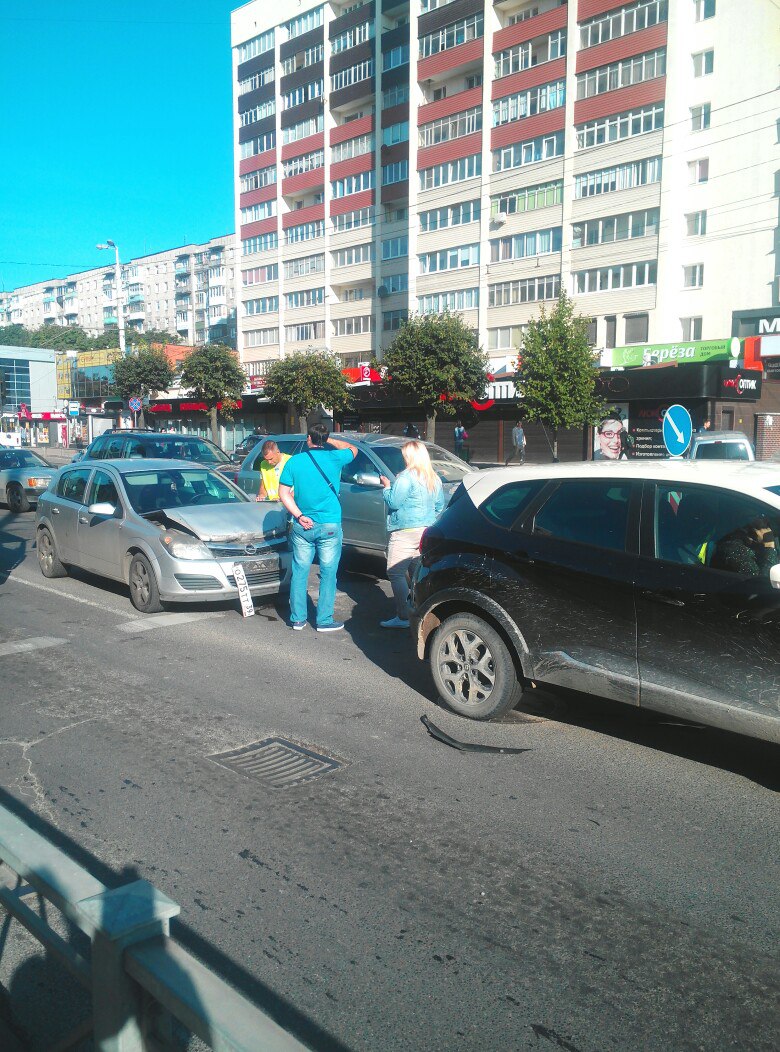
(738, 385)
(645, 355)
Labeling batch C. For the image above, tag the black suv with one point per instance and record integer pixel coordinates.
(160, 445)
(656, 584)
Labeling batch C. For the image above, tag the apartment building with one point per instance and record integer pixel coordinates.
(430, 154)
(188, 290)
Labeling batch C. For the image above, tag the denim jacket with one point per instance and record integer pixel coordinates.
(410, 504)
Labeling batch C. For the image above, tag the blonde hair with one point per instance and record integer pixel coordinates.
(418, 463)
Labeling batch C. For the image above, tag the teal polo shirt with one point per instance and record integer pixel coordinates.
(313, 495)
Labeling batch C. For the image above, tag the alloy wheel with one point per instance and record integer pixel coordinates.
(45, 551)
(139, 582)
(467, 667)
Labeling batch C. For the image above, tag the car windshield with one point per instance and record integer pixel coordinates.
(21, 458)
(448, 467)
(179, 447)
(722, 451)
(150, 491)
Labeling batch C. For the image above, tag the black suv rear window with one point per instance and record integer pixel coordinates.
(589, 511)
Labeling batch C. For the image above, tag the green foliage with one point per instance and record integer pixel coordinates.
(556, 375)
(308, 380)
(143, 372)
(74, 338)
(150, 338)
(435, 355)
(212, 373)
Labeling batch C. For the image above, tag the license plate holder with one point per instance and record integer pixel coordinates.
(267, 565)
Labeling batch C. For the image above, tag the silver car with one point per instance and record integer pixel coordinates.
(23, 477)
(171, 531)
(721, 445)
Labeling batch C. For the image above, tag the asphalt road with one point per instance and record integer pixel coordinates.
(615, 887)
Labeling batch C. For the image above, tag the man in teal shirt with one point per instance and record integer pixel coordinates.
(315, 476)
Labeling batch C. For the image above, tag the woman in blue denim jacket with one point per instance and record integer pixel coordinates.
(413, 502)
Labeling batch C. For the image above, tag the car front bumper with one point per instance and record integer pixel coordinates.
(210, 580)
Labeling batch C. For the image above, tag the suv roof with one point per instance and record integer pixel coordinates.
(721, 436)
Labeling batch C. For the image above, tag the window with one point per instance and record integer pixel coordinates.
(304, 333)
(392, 320)
(258, 113)
(352, 75)
(303, 129)
(397, 56)
(451, 172)
(703, 63)
(452, 35)
(353, 326)
(693, 276)
(438, 302)
(632, 70)
(350, 257)
(700, 117)
(625, 276)
(261, 243)
(351, 220)
(505, 506)
(699, 170)
(529, 103)
(395, 247)
(395, 173)
(296, 268)
(356, 35)
(620, 126)
(256, 46)
(261, 338)
(622, 22)
(450, 259)
(703, 9)
(528, 290)
(305, 232)
(352, 184)
(302, 24)
(264, 305)
(615, 228)
(527, 198)
(691, 328)
(305, 162)
(524, 153)
(636, 328)
(72, 485)
(619, 177)
(611, 330)
(452, 127)
(257, 80)
(102, 490)
(302, 59)
(302, 94)
(439, 93)
(395, 96)
(260, 275)
(260, 144)
(344, 151)
(305, 298)
(473, 81)
(396, 283)
(254, 180)
(454, 215)
(359, 465)
(696, 224)
(506, 338)
(587, 511)
(254, 213)
(395, 133)
(530, 53)
(520, 246)
(433, 5)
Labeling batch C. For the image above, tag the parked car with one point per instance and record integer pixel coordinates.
(170, 531)
(23, 477)
(363, 507)
(656, 584)
(246, 446)
(721, 445)
(138, 445)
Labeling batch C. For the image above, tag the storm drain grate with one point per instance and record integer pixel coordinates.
(278, 762)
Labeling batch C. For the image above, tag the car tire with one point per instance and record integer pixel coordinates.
(48, 560)
(144, 590)
(473, 669)
(17, 500)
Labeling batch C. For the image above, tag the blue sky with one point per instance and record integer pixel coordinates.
(116, 123)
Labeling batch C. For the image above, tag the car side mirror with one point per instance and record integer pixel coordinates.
(774, 576)
(368, 479)
(104, 508)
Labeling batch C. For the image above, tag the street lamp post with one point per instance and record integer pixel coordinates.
(120, 316)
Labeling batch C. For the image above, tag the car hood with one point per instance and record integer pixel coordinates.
(231, 522)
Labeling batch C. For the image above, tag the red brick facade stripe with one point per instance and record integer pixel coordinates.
(351, 130)
(363, 163)
(615, 50)
(590, 8)
(254, 197)
(352, 203)
(529, 78)
(303, 215)
(528, 128)
(463, 100)
(450, 59)
(531, 28)
(619, 101)
(307, 145)
(305, 181)
(253, 164)
(450, 151)
(263, 226)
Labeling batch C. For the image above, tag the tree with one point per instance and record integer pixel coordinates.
(556, 374)
(307, 380)
(213, 375)
(143, 373)
(436, 358)
(150, 338)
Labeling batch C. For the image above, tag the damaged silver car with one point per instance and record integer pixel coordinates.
(171, 532)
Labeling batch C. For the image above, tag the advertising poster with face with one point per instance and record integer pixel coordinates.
(610, 436)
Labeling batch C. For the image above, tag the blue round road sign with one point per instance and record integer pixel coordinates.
(677, 430)
(135, 404)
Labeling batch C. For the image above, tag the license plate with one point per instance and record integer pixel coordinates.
(262, 565)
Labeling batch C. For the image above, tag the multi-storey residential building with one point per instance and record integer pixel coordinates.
(429, 154)
(188, 290)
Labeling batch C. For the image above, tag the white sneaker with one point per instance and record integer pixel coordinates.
(394, 622)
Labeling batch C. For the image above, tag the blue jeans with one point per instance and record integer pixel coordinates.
(323, 540)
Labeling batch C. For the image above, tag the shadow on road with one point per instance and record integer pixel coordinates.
(13, 548)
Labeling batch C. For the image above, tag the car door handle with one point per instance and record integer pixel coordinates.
(55, 511)
(84, 519)
(663, 597)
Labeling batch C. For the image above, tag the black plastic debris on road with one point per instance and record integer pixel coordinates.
(455, 743)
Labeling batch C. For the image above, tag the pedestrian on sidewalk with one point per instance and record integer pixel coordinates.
(413, 502)
(271, 467)
(518, 443)
(460, 435)
(315, 476)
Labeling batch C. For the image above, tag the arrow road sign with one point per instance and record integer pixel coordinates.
(677, 430)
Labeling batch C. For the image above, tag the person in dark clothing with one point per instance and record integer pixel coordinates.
(750, 551)
(411, 431)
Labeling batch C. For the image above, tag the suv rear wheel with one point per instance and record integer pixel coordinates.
(473, 668)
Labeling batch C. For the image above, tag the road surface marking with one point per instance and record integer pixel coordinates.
(144, 624)
(21, 646)
(13, 579)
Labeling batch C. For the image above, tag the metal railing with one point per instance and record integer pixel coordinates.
(140, 980)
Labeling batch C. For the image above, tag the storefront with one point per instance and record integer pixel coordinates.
(28, 396)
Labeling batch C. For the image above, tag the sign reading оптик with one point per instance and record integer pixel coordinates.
(646, 354)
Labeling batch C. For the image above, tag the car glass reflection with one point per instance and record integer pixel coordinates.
(150, 491)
